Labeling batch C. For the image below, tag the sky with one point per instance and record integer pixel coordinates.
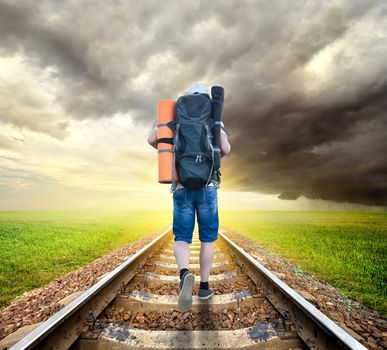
(305, 100)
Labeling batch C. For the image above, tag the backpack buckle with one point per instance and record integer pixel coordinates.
(172, 125)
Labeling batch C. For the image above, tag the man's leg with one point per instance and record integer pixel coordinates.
(182, 253)
(183, 226)
(208, 220)
(206, 256)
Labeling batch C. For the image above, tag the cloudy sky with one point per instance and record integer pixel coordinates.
(305, 100)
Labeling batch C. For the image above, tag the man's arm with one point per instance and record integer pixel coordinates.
(152, 139)
(225, 146)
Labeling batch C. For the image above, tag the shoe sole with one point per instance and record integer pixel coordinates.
(206, 297)
(185, 295)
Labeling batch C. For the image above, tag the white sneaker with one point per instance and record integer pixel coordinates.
(185, 293)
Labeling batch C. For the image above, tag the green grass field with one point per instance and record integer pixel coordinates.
(39, 246)
(347, 249)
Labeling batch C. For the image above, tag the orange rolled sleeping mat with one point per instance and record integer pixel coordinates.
(165, 114)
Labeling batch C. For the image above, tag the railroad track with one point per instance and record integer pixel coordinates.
(135, 307)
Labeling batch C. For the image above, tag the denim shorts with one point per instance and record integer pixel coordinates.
(205, 202)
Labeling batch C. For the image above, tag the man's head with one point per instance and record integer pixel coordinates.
(198, 88)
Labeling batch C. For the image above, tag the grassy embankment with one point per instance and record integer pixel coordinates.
(39, 246)
(347, 249)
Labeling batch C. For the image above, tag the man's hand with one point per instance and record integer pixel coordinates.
(152, 139)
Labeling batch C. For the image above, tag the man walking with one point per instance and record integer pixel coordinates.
(185, 202)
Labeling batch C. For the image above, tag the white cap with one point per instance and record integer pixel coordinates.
(200, 88)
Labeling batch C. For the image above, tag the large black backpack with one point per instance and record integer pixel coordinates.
(193, 141)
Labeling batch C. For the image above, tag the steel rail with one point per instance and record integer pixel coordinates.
(41, 332)
(324, 323)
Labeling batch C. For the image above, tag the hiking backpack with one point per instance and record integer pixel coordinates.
(196, 160)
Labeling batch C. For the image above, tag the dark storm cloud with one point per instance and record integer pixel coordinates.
(292, 132)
